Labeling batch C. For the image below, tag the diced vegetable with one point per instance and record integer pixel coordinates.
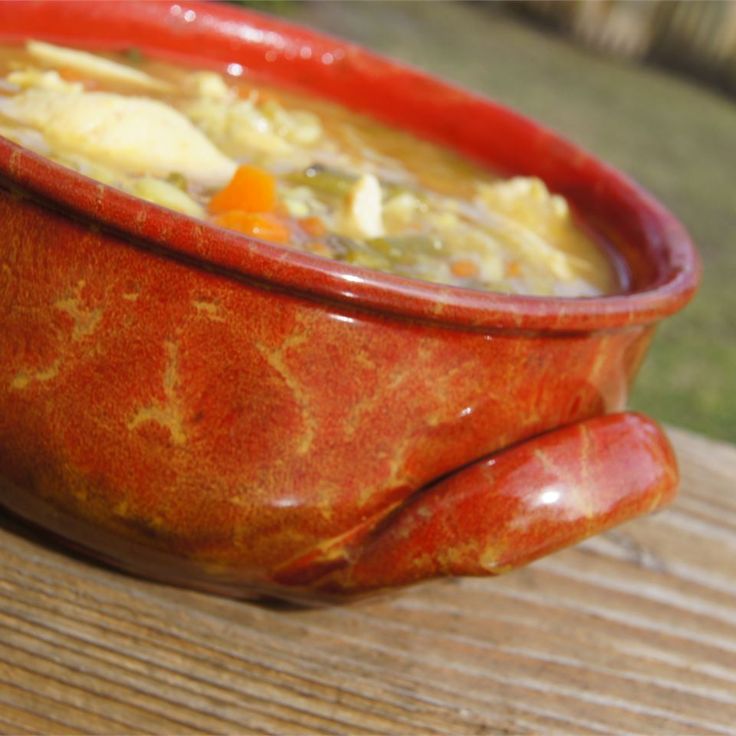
(178, 180)
(251, 189)
(313, 226)
(394, 245)
(407, 249)
(464, 268)
(324, 180)
(341, 246)
(320, 249)
(368, 259)
(513, 269)
(263, 226)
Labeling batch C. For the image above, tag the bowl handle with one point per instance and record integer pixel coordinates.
(523, 502)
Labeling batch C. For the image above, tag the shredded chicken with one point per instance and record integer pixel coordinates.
(363, 213)
(135, 135)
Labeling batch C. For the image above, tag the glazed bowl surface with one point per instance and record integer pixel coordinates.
(226, 414)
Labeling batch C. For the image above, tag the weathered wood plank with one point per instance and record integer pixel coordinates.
(632, 631)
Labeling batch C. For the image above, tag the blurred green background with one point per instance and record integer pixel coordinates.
(675, 136)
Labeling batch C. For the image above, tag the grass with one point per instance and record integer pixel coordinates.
(677, 139)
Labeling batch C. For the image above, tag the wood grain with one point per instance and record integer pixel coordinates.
(633, 631)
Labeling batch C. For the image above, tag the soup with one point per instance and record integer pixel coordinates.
(296, 171)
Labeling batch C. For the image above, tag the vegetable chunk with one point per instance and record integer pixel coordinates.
(252, 189)
(363, 216)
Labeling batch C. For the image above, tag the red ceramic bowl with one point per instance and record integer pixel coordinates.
(225, 414)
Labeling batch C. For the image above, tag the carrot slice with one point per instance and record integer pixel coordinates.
(251, 189)
(319, 249)
(262, 226)
(465, 269)
(313, 226)
(513, 269)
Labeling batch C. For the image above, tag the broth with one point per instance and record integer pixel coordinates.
(295, 170)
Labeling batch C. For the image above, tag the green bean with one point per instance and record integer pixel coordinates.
(341, 246)
(356, 252)
(178, 180)
(393, 189)
(324, 180)
(368, 259)
(336, 183)
(133, 55)
(407, 248)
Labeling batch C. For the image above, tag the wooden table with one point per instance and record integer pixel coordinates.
(633, 631)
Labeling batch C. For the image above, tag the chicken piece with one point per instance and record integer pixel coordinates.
(93, 66)
(362, 216)
(135, 135)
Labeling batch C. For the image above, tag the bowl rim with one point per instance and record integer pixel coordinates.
(171, 234)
